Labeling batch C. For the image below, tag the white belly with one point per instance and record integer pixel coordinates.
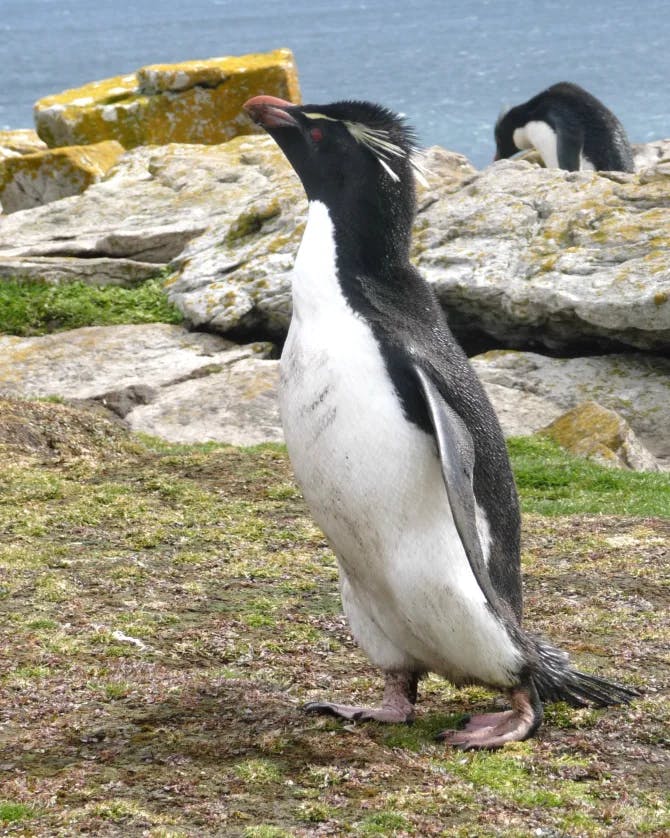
(373, 482)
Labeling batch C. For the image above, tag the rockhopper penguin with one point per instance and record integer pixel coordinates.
(569, 127)
(394, 443)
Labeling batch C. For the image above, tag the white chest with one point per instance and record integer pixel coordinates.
(340, 412)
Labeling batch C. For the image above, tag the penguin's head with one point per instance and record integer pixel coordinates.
(505, 126)
(343, 149)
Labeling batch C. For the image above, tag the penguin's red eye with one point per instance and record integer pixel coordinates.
(316, 134)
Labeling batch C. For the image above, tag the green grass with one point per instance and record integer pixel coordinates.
(14, 812)
(30, 307)
(552, 482)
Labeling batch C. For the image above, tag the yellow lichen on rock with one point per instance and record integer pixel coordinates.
(597, 433)
(18, 142)
(190, 102)
(34, 179)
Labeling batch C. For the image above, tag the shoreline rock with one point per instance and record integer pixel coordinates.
(191, 102)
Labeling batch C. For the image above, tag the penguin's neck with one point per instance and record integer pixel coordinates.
(334, 262)
(373, 236)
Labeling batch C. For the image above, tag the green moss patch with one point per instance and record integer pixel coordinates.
(28, 307)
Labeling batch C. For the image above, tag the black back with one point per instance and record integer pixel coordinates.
(580, 121)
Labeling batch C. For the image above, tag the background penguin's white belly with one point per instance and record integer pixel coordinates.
(373, 483)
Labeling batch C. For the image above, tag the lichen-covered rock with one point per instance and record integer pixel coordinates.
(154, 201)
(191, 102)
(636, 386)
(18, 142)
(538, 256)
(597, 433)
(524, 255)
(30, 180)
(238, 275)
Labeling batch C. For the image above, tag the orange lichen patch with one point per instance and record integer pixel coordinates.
(592, 431)
(190, 102)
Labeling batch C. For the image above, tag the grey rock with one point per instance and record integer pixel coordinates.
(538, 256)
(650, 155)
(636, 386)
(520, 413)
(88, 363)
(97, 271)
(162, 379)
(522, 255)
(237, 405)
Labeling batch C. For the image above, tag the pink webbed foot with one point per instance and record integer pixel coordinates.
(493, 730)
(397, 704)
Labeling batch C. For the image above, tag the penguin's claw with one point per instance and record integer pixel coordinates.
(385, 713)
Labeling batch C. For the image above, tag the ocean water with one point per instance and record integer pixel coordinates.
(449, 66)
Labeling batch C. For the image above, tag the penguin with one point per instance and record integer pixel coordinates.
(394, 443)
(569, 127)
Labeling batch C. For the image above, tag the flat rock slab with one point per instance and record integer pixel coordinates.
(164, 380)
(237, 405)
(87, 363)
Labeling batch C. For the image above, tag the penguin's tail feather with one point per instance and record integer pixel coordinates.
(556, 680)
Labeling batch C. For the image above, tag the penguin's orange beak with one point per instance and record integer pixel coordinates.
(270, 112)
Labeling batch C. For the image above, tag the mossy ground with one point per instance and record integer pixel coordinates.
(167, 610)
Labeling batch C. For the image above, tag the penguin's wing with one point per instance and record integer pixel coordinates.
(569, 143)
(457, 458)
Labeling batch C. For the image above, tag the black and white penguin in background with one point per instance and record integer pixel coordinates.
(570, 129)
(394, 443)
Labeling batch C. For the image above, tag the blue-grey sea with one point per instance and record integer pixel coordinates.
(450, 66)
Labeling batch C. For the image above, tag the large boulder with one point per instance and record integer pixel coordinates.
(533, 256)
(142, 216)
(30, 180)
(636, 386)
(520, 256)
(237, 276)
(191, 102)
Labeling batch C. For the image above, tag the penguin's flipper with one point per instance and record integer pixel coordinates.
(457, 458)
(569, 144)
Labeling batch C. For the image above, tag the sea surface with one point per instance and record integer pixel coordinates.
(449, 66)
